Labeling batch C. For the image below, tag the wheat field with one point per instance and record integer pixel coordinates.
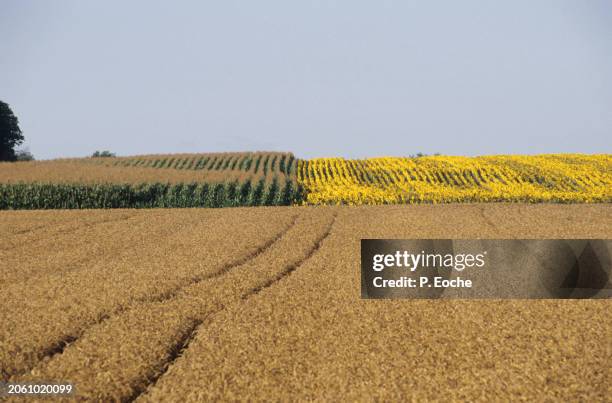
(264, 304)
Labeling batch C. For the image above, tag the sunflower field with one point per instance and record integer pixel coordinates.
(562, 178)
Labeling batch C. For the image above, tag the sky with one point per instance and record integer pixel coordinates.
(329, 78)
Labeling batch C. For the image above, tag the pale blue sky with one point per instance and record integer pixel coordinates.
(319, 78)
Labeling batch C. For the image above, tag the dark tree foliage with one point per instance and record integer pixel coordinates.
(10, 133)
(102, 154)
(24, 155)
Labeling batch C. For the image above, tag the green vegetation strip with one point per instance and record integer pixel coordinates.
(26, 196)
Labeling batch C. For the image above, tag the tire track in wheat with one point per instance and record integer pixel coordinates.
(177, 349)
(58, 233)
(224, 269)
(151, 333)
(293, 267)
(58, 346)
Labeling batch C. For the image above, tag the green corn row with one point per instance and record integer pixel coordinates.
(81, 196)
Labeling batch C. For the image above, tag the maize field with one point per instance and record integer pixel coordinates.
(190, 180)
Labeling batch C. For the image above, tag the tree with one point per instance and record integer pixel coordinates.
(10, 133)
(102, 154)
(24, 155)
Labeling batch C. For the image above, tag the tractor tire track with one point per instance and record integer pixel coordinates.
(167, 363)
(60, 232)
(293, 267)
(55, 348)
(29, 230)
(175, 351)
(58, 346)
(224, 269)
(77, 264)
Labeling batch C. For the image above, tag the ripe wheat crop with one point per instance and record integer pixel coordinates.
(191, 305)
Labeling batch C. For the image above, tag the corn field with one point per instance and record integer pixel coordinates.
(194, 180)
(148, 195)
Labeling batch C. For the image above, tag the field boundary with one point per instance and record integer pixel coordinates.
(280, 179)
